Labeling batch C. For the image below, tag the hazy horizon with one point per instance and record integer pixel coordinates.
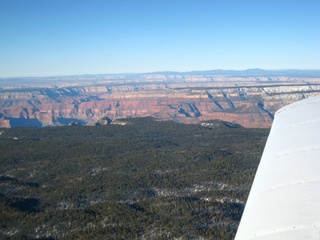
(61, 38)
(206, 71)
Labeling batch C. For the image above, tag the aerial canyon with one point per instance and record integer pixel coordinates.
(248, 98)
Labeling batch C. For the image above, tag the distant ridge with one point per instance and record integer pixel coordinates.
(243, 73)
(253, 71)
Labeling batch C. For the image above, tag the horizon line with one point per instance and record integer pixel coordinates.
(163, 72)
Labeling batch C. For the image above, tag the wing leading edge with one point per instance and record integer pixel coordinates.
(284, 201)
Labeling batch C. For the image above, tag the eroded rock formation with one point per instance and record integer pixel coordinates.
(249, 101)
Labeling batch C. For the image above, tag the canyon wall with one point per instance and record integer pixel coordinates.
(250, 101)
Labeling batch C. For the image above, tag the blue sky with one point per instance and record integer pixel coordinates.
(65, 37)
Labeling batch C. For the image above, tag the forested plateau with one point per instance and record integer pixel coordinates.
(138, 179)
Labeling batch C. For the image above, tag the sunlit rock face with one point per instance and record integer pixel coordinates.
(4, 123)
(250, 101)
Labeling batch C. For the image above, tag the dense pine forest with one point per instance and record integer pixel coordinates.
(142, 180)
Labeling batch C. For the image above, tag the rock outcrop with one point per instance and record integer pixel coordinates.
(249, 101)
(103, 121)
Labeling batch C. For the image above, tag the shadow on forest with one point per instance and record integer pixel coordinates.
(30, 205)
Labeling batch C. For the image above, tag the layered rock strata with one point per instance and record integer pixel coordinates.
(250, 102)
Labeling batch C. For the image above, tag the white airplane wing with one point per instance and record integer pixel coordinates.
(284, 201)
